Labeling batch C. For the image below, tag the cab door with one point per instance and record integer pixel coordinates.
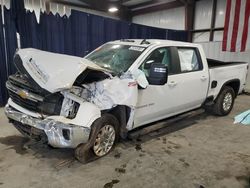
(186, 88)
(156, 101)
(193, 78)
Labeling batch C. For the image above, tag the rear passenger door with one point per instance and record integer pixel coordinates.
(192, 79)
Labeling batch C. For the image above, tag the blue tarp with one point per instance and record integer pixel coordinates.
(243, 118)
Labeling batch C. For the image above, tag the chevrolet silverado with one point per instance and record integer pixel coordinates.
(88, 103)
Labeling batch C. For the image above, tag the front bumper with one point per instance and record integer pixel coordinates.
(59, 134)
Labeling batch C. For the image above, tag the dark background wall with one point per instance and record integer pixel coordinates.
(76, 35)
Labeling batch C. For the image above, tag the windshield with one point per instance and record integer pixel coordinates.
(115, 57)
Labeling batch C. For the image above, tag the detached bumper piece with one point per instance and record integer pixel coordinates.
(58, 134)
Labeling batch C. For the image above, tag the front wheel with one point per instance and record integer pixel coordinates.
(225, 101)
(103, 136)
(104, 140)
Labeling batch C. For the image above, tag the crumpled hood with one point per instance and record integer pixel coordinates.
(54, 72)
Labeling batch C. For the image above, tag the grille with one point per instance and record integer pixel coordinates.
(21, 81)
(51, 104)
(25, 103)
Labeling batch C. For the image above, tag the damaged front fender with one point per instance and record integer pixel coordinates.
(65, 135)
(69, 133)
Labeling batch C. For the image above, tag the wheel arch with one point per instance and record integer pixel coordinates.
(234, 84)
(122, 114)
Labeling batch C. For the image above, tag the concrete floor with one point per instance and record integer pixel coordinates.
(205, 151)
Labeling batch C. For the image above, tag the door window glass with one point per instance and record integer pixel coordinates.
(161, 55)
(188, 60)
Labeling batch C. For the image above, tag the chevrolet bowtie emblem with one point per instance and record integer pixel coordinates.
(22, 94)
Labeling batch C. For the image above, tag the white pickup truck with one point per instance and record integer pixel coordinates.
(88, 103)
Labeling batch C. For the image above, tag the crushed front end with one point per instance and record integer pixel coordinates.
(42, 115)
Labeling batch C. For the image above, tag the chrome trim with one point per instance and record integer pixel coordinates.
(53, 129)
(28, 95)
(22, 118)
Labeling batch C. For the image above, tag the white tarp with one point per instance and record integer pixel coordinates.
(115, 91)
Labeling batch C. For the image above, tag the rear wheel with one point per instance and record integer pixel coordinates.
(225, 101)
(102, 139)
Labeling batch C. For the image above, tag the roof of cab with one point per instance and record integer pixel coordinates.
(150, 42)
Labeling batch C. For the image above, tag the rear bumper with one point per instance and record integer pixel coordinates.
(59, 134)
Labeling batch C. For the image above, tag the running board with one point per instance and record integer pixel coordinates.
(169, 123)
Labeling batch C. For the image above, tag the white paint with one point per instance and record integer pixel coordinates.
(54, 72)
(182, 92)
(224, 73)
(167, 19)
(213, 50)
(89, 111)
(158, 102)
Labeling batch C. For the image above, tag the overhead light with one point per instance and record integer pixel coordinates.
(113, 9)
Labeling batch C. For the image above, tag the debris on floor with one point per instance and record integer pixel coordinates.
(243, 118)
(110, 184)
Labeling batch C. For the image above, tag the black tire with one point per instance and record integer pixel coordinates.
(218, 108)
(85, 152)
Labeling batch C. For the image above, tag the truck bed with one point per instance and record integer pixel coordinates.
(212, 63)
(221, 72)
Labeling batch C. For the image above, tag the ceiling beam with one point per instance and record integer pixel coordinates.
(158, 7)
(142, 4)
(183, 1)
(65, 2)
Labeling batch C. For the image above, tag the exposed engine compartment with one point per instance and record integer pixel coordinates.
(90, 76)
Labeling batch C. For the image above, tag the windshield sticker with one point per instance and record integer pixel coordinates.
(136, 48)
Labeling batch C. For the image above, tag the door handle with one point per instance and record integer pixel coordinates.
(203, 78)
(172, 84)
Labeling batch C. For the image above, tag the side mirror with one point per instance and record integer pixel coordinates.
(148, 64)
(158, 74)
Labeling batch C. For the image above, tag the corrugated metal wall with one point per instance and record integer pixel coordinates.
(202, 20)
(203, 11)
(171, 19)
